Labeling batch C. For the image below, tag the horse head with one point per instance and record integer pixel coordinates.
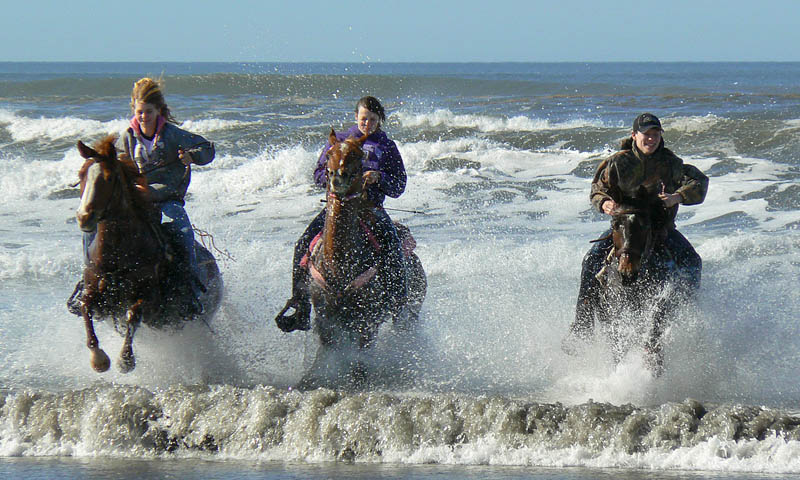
(636, 226)
(344, 167)
(105, 179)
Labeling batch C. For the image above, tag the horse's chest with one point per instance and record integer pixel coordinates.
(348, 260)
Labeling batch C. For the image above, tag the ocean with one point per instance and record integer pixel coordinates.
(499, 158)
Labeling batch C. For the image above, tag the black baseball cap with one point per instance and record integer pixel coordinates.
(645, 122)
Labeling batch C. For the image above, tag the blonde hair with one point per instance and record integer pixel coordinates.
(150, 91)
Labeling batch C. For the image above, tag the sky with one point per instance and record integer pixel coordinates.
(400, 31)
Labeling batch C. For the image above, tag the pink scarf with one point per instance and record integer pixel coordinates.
(160, 121)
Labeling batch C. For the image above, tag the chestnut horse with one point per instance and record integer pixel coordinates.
(352, 283)
(641, 285)
(130, 271)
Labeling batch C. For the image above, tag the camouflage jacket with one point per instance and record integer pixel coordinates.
(625, 171)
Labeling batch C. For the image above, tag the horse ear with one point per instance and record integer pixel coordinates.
(332, 137)
(86, 151)
(361, 140)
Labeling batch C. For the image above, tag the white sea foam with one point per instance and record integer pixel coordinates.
(214, 124)
(485, 381)
(25, 129)
(484, 123)
(693, 124)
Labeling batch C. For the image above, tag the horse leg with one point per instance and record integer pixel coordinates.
(127, 362)
(587, 312)
(653, 348)
(98, 358)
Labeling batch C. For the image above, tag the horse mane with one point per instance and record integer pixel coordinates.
(645, 201)
(134, 181)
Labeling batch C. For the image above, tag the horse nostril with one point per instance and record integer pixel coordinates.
(85, 219)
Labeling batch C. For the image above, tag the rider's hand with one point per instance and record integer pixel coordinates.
(670, 199)
(185, 157)
(371, 176)
(609, 206)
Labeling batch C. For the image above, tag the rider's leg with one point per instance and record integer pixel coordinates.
(181, 227)
(687, 259)
(74, 301)
(300, 250)
(393, 256)
(299, 272)
(300, 301)
(87, 239)
(584, 309)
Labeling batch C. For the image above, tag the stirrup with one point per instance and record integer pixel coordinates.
(74, 302)
(196, 306)
(299, 320)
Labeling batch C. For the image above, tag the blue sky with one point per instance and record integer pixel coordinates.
(401, 31)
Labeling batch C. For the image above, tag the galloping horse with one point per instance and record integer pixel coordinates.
(353, 284)
(641, 285)
(130, 270)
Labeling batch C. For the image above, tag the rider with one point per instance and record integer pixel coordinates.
(384, 174)
(642, 160)
(164, 153)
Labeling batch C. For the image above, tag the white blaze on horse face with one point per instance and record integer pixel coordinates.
(85, 209)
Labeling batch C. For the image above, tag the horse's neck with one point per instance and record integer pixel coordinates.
(126, 233)
(342, 230)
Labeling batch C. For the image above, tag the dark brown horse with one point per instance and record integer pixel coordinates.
(640, 286)
(130, 275)
(352, 281)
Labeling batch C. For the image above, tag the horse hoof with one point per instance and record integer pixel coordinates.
(99, 360)
(126, 364)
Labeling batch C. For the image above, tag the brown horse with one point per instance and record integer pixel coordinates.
(641, 285)
(130, 272)
(352, 282)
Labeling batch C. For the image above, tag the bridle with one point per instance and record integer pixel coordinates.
(347, 197)
(115, 190)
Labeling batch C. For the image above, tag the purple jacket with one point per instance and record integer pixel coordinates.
(383, 157)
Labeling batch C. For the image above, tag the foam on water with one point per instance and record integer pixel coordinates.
(447, 119)
(485, 380)
(264, 424)
(24, 129)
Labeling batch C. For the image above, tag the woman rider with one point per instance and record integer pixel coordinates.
(384, 174)
(164, 153)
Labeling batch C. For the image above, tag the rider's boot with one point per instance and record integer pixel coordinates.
(300, 302)
(195, 306)
(74, 302)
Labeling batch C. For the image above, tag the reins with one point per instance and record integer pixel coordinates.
(325, 200)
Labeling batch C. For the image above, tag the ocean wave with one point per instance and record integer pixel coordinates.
(214, 124)
(274, 169)
(692, 124)
(23, 129)
(485, 123)
(267, 423)
(18, 263)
